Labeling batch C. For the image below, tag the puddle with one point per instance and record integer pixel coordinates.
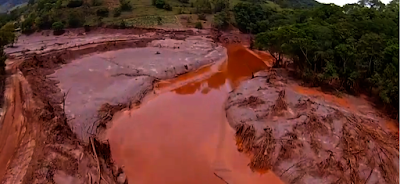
(180, 135)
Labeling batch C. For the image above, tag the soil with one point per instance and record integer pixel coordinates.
(63, 92)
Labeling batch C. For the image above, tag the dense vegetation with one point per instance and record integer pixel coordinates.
(354, 48)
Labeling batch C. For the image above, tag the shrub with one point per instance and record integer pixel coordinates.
(180, 11)
(102, 12)
(202, 6)
(97, 2)
(122, 24)
(27, 25)
(125, 5)
(167, 7)
(202, 17)
(74, 20)
(86, 27)
(159, 3)
(159, 20)
(184, 1)
(58, 26)
(198, 25)
(117, 12)
(74, 3)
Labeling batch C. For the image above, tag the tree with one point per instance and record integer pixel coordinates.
(247, 15)
(102, 12)
(221, 20)
(74, 3)
(125, 5)
(219, 5)
(74, 20)
(7, 34)
(203, 6)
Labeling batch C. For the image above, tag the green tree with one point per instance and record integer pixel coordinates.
(202, 6)
(58, 26)
(75, 20)
(221, 20)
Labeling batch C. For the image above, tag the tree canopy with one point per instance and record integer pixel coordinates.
(353, 48)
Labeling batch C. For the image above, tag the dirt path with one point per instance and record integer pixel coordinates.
(10, 132)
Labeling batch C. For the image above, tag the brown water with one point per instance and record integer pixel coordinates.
(181, 135)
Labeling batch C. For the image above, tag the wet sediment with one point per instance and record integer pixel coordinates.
(306, 140)
(59, 154)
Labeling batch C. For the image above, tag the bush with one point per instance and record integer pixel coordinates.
(74, 20)
(180, 11)
(125, 5)
(102, 12)
(74, 3)
(86, 27)
(97, 2)
(198, 25)
(184, 1)
(117, 12)
(159, 20)
(159, 3)
(202, 6)
(202, 17)
(122, 24)
(27, 25)
(58, 26)
(167, 7)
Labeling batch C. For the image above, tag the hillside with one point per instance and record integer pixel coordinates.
(41, 14)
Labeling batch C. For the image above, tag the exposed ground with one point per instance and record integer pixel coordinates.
(306, 139)
(62, 157)
(63, 90)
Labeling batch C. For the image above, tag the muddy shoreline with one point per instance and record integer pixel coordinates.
(59, 154)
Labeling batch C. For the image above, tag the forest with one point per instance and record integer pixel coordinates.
(353, 49)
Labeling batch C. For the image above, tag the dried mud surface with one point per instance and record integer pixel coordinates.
(305, 140)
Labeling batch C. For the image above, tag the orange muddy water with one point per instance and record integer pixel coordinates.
(180, 134)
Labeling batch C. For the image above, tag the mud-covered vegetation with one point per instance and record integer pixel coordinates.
(353, 48)
(305, 140)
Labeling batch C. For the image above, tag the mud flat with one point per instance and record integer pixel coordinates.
(125, 76)
(306, 140)
(76, 88)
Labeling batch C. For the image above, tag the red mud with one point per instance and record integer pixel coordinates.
(10, 128)
(182, 136)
